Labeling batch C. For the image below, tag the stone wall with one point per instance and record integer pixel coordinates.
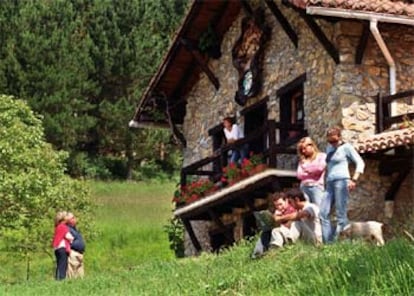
(282, 64)
(334, 94)
(403, 216)
(356, 86)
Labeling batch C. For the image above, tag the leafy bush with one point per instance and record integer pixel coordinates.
(80, 165)
(150, 169)
(33, 186)
(175, 232)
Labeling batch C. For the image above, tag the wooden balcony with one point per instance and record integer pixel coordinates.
(393, 143)
(384, 119)
(231, 208)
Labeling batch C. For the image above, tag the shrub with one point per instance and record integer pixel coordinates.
(33, 186)
(80, 165)
(175, 232)
(193, 191)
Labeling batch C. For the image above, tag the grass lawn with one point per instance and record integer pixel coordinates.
(129, 223)
(130, 256)
(130, 219)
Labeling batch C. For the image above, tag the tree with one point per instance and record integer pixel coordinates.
(130, 38)
(83, 64)
(47, 62)
(33, 185)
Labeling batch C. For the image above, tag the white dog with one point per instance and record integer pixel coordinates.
(370, 230)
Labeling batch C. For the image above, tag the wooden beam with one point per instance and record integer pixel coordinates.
(254, 106)
(400, 95)
(178, 89)
(200, 61)
(398, 119)
(396, 184)
(362, 44)
(393, 164)
(272, 143)
(220, 224)
(177, 102)
(178, 135)
(249, 203)
(283, 22)
(291, 85)
(192, 235)
(379, 116)
(246, 7)
(320, 35)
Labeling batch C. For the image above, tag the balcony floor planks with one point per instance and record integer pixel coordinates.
(233, 193)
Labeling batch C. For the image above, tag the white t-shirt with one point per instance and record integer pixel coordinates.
(235, 133)
(313, 222)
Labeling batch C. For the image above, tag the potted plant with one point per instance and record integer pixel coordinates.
(231, 174)
(193, 191)
(254, 164)
(406, 122)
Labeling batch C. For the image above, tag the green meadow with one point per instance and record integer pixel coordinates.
(130, 256)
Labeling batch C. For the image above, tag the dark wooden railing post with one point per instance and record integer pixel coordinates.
(190, 231)
(223, 157)
(271, 133)
(183, 178)
(379, 116)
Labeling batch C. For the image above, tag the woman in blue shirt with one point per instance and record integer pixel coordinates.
(338, 182)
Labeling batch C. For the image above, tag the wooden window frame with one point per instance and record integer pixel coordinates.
(291, 96)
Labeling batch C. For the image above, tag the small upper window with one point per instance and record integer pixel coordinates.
(292, 113)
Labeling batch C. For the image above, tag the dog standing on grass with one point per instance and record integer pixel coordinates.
(369, 230)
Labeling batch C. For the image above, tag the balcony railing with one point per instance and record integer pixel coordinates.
(273, 147)
(384, 120)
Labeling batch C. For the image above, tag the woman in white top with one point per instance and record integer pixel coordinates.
(232, 132)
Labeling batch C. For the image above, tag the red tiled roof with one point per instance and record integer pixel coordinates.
(396, 7)
(385, 140)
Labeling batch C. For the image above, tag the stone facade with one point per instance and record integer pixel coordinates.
(334, 94)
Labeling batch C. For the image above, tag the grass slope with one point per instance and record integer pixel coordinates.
(131, 257)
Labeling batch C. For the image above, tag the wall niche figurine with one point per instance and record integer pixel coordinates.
(247, 55)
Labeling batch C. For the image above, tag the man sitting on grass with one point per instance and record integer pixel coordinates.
(305, 225)
(282, 207)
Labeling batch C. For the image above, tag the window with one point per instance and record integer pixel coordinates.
(292, 113)
(255, 117)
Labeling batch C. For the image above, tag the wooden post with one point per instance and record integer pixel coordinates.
(192, 235)
(200, 61)
(183, 178)
(379, 122)
(271, 131)
(220, 224)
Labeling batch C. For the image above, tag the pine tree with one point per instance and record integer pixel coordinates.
(130, 38)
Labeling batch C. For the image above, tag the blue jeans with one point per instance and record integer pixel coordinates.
(315, 194)
(262, 244)
(337, 194)
(239, 153)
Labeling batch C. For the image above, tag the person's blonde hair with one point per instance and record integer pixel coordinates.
(69, 215)
(299, 148)
(60, 217)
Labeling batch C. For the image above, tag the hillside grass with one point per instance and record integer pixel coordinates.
(131, 257)
(129, 219)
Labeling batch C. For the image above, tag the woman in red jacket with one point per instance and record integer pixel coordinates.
(61, 244)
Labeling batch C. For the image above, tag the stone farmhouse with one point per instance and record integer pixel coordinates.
(283, 70)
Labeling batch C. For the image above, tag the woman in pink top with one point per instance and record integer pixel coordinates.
(61, 244)
(311, 170)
